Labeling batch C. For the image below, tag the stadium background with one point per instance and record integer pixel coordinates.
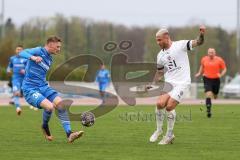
(113, 137)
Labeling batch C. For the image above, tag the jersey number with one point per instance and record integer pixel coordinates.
(172, 64)
(36, 95)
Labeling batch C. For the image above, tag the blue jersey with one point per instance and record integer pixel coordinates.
(16, 64)
(103, 76)
(36, 73)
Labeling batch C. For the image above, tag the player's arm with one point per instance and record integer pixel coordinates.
(10, 67)
(223, 68)
(200, 71)
(22, 71)
(223, 72)
(200, 39)
(96, 77)
(158, 76)
(29, 54)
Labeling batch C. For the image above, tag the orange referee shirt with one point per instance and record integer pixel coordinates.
(212, 67)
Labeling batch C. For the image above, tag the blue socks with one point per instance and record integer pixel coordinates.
(63, 116)
(46, 117)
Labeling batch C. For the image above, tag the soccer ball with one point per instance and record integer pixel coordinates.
(87, 119)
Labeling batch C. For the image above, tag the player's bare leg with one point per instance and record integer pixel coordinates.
(160, 112)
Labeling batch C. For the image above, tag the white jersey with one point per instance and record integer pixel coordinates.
(175, 62)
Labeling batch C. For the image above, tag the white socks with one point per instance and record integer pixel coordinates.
(171, 117)
(159, 118)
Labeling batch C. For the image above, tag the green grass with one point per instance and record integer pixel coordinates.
(115, 137)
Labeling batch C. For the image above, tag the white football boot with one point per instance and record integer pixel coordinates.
(155, 136)
(167, 140)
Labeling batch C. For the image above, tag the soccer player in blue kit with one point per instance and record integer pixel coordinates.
(103, 80)
(38, 93)
(16, 67)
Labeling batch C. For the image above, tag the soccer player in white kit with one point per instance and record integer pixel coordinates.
(173, 64)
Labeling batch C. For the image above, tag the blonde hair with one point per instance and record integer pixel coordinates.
(161, 32)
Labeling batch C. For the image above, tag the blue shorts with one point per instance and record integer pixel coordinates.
(34, 96)
(16, 85)
(103, 86)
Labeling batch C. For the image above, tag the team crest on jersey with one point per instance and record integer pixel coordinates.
(169, 58)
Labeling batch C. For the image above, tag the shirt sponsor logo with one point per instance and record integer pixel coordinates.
(44, 66)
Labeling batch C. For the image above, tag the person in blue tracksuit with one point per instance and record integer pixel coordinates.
(103, 80)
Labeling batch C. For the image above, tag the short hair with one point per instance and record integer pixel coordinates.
(53, 39)
(19, 45)
(161, 32)
(212, 49)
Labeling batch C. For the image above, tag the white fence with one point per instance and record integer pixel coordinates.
(195, 89)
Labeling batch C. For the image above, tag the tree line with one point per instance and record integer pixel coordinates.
(85, 36)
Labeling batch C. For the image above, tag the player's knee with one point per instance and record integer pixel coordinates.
(64, 104)
(16, 94)
(50, 108)
(161, 104)
(209, 94)
(169, 108)
(47, 105)
(171, 105)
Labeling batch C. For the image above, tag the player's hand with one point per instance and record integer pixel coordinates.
(202, 29)
(219, 75)
(36, 59)
(197, 75)
(22, 71)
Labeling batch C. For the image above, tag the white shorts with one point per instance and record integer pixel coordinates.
(178, 91)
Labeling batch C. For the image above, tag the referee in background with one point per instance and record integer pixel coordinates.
(212, 68)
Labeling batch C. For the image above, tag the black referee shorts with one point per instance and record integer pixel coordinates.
(211, 84)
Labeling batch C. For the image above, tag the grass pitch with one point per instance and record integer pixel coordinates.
(124, 134)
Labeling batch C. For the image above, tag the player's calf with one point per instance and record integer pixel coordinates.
(162, 101)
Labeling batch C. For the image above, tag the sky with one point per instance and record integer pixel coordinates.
(130, 12)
